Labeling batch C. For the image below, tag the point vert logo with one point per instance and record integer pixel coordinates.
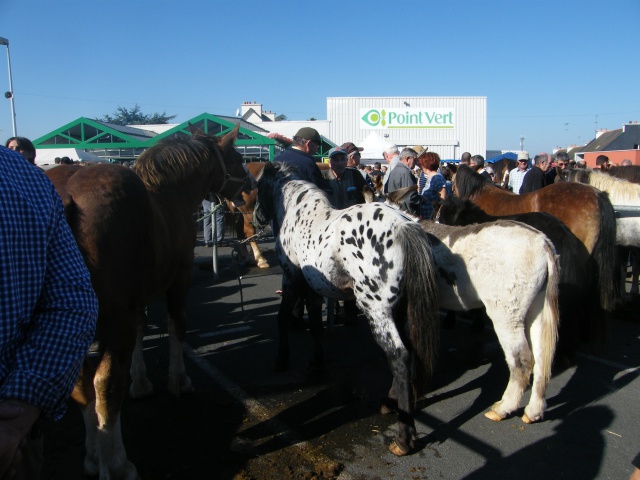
(406, 118)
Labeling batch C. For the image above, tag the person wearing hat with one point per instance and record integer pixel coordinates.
(535, 177)
(401, 177)
(346, 190)
(300, 156)
(353, 154)
(346, 184)
(516, 175)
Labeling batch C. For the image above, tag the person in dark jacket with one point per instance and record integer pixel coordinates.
(535, 177)
(300, 156)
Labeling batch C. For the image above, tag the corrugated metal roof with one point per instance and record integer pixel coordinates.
(601, 142)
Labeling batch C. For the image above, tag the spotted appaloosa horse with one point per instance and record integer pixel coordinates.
(519, 290)
(136, 232)
(371, 252)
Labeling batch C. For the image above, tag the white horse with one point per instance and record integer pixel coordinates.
(622, 193)
(371, 252)
(519, 290)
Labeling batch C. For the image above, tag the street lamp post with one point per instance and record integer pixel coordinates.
(9, 94)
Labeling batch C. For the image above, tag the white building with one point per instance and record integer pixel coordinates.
(448, 126)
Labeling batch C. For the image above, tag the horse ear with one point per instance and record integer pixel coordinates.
(367, 193)
(195, 131)
(229, 138)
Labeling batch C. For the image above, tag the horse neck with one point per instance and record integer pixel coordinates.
(185, 195)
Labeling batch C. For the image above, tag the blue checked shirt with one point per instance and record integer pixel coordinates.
(48, 309)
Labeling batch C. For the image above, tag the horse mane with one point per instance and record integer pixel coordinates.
(173, 160)
(468, 182)
(630, 173)
(621, 192)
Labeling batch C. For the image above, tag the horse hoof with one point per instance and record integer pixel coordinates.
(492, 415)
(263, 264)
(397, 450)
(385, 410)
(526, 419)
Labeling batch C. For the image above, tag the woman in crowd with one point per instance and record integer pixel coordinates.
(431, 184)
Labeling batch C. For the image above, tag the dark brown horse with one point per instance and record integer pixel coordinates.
(136, 231)
(584, 209)
(244, 221)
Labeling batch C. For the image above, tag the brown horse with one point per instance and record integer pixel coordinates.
(136, 231)
(244, 222)
(584, 209)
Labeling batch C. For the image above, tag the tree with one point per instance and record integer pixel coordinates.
(134, 116)
(281, 118)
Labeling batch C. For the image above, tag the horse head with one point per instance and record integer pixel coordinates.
(233, 176)
(455, 211)
(468, 182)
(265, 203)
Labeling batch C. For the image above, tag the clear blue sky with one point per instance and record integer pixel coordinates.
(549, 69)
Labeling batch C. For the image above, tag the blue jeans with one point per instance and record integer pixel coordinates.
(208, 206)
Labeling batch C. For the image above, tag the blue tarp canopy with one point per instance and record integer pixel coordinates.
(506, 156)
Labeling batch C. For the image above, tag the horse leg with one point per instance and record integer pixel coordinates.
(399, 358)
(285, 317)
(518, 355)
(257, 254)
(314, 309)
(177, 381)
(331, 313)
(110, 385)
(635, 269)
(390, 404)
(84, 394)
(140, 387)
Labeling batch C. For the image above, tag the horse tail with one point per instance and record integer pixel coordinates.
(604, 254)
(550, 314)
(421, 294)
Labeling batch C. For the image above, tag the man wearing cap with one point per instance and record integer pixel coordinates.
(516, 175)
(353, 154)
(346, 183)
(402, 177)
(535, 178)
(300, 156)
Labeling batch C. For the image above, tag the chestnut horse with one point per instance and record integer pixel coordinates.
(584, 209)
(245, 228)
(136, 232)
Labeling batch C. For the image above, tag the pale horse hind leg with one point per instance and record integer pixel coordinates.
(509, 326)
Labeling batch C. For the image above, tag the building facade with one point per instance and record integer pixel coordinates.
(448, 126)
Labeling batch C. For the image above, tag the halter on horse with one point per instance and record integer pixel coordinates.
(371, 252)
(136, 232)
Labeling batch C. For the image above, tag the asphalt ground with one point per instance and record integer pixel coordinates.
(245, 421)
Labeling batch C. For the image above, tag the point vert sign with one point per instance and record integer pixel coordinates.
(381, 118)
